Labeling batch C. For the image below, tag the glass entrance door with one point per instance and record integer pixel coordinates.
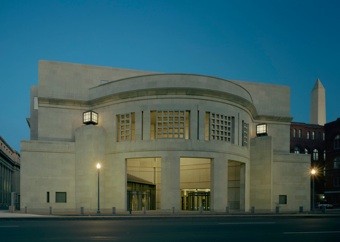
(194, 199)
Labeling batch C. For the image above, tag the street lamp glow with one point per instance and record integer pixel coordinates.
(99, 166)
(313, 171)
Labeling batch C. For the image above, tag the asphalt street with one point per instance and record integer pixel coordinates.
(149, 229)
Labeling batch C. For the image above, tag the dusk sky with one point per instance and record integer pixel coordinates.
(288, 42)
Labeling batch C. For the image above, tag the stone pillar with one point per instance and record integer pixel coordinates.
(242, 186)
(219, 184)
(138, 125)
(170, 182)
(146, 124)
(194, 121)
(201, 125)
(115, 183)
(90, 150)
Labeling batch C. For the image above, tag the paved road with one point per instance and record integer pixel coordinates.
(196, 229)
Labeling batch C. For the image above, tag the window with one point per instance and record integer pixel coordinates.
(294, 133)
(336, 182)
(296, 150)
(323, 136)
(313, 135)
(245, 128)
(282, 199)
(221, 127)
(170, 124)
(315, 154)
(307, 134)
(336, 163)
(60, 197)
(306, 151)
(337, 142)
(126, 127)
(300, 133)
(48, 197)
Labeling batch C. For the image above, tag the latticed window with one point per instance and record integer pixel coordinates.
(126, 126)
(172, 124)
(245, 132)
(221, 127)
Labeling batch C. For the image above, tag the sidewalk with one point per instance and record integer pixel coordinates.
(6, 214)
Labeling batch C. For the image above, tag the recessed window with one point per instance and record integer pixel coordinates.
(294, 133)
(245, 131)
(300, 133)
(313, 135)
(282, 199)
(169, 124)
(337, 142)
(126, 127)
(296, 150)
(307, 134)
(336, 163)
(60, 197)
(315, 154)
(48, 197)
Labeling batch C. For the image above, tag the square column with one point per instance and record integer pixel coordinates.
(115, 183)
(170, 182)
(219, 184)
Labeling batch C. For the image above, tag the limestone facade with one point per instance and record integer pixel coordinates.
(192, 136)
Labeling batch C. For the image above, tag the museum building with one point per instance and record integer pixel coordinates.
(103, 138)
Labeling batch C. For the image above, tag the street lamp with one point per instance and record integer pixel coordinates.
(98, 169)
(313, 172)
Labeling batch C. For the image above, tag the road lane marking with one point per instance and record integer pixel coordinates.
(246, 223)
(313, 232)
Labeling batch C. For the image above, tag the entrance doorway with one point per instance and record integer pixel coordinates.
(195, 199)
(195, 183)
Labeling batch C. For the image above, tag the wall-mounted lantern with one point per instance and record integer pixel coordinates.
(261, 130)
(90, 117)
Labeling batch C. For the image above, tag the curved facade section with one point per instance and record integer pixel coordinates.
(169, 142)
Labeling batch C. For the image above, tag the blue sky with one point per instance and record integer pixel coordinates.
(288, 42)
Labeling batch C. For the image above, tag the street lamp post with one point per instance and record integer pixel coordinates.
(313, 173)
(98, 169)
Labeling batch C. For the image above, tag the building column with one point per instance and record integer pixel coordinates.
(90, 150)
(146, 123)
(170, 182)
(219, 184)
(115, 183)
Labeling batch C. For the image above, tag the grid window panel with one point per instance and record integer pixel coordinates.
(125, 126)
(221, 127)
(170, 124)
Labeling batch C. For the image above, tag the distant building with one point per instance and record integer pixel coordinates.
(332, 187)
(309, 139)
(9, 175)
(162, 141)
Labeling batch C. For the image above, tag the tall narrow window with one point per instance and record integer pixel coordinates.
(307, 135)
(48, 197)
(337, 142)
(294, 133)
(313, 135)
(126, 127)
(245, 131)
(300, 133)
(315, 155)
